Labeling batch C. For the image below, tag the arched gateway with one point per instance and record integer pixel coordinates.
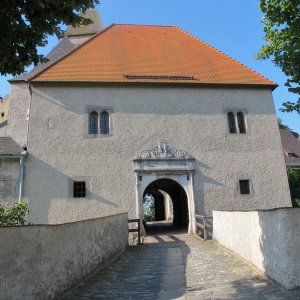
(166, 170)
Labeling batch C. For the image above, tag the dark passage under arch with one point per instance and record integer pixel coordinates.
(170, 207)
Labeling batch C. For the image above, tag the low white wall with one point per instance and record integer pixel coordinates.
(268, 239)
(40, 262)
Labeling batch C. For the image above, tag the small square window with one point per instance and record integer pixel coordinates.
(79, 189)
(2, 114)
(244, 187)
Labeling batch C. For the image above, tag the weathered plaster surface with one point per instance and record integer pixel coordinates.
(4, 109)
(18, 113)
(268, 239)
(193, 120)
(9, 181)
(40, 262)
(79, 39)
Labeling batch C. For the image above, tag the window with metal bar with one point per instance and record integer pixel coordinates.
(104, 122)
(79, 189)
(244, 187)
(93, 122)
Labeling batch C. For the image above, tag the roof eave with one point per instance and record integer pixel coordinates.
(158, 83)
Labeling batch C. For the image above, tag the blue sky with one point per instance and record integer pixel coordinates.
(232, 26)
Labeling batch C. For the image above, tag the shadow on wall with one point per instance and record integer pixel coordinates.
(51, 198)
(200, 198)
(280, 245)
(113, 93)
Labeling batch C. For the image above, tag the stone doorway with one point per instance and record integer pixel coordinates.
(169, 210)
(167, 174)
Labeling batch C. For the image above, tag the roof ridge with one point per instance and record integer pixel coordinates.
(150, 25)
(70, 52)
(216, 49)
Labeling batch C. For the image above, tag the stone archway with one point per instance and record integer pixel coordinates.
(163, 162)
(161, 191)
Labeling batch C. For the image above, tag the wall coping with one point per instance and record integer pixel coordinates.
(259, 210)
(62, 224)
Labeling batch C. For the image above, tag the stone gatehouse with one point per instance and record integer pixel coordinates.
(133, 109)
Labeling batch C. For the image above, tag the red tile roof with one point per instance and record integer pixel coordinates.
(141, 53)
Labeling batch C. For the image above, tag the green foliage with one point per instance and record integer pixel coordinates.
(283, 126)
(281, 27)
(149, 209)
(15, 215)
(25, 24)
(294, 181)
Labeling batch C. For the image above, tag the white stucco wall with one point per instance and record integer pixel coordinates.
(18, 112)
(191, 119)
(9, 181)
(41, 262)
(268, 239)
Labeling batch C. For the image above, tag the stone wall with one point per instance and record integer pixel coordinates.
(9, 181)
(40, 262)
(268, 239)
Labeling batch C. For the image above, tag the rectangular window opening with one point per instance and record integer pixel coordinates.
(99, 122)
(79, 189)
(244, 187)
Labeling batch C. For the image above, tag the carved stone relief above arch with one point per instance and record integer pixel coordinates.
(164, 158)
(163, 150)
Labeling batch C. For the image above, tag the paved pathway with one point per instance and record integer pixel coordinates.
(179, 267)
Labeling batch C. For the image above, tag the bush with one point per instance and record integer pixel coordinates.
(15, 215)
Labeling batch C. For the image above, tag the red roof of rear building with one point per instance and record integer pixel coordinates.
(142, 53)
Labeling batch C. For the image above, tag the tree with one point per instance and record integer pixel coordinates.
(149, 209)
(283, 126)
(294, 182)
(281, 27)
(25, 24)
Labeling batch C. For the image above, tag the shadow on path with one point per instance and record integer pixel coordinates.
(163, 227)
(179, 266)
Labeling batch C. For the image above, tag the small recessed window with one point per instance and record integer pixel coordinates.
(231, 122)
(104, 122)
(293, 155)
(241, 122)
(244, 187)
(93, 123)
(2, 114)
(79, 189)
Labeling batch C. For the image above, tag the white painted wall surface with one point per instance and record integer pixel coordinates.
(18, 113)
(191, 119)
(9, 181)
(268, 239)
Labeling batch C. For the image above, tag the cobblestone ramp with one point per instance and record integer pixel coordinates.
(179, 267)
